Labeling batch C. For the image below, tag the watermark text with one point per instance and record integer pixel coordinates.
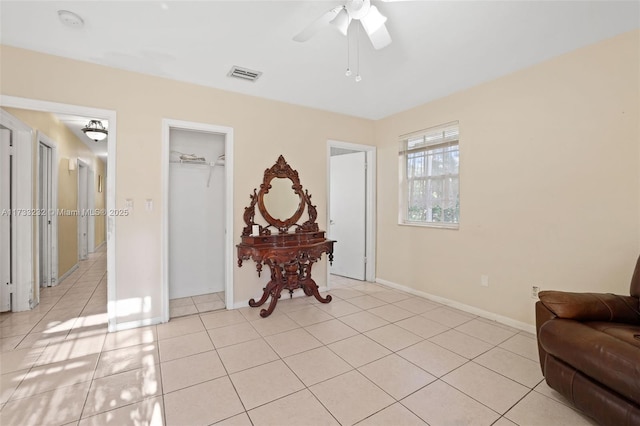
(64, 212)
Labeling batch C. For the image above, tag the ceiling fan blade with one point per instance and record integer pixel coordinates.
(373, 24)
(318, 24)
(342, 21)
(380, 38)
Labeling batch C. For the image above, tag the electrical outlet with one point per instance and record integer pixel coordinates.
(534, 291)
(484, 280)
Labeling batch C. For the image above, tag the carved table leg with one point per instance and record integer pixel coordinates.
(307, 290)
(267, 290)
(273, 289)
(274, 300)
(309, 286)
(291, 275)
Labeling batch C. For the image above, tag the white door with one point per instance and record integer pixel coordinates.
(347, 218)
(45, 212)
(83, 218)
(91, 205)
(5, 221)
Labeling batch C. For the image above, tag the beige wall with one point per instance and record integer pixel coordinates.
(263, 130)
(550, 177)
(68, 146)
(550, 187)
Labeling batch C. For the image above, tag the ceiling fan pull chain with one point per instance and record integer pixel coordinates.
(348, 72)
(358, 78)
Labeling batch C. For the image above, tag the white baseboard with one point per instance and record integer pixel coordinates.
(296, 294)
(134, 324)
(69, 272)
(461, 306)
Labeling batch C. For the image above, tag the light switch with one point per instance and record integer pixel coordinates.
(149, 204)
(128, 204)
(484, 280)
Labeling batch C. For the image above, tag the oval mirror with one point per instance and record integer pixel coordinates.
(281, 202)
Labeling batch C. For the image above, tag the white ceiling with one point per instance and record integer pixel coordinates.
(439, 47)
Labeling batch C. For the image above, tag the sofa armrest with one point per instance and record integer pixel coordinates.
(591, 306)
(543, 314)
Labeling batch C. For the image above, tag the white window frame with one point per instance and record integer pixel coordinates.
(442, 136)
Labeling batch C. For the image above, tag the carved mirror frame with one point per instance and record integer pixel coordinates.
(280, 170)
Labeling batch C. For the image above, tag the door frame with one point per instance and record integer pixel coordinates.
(22, 181)
(6, 242)
(167, 125)
(41, 138)
(110, 115)
(370, 204)
(91, 202)
(82, 211)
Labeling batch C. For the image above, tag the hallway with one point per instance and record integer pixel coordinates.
(78, 304)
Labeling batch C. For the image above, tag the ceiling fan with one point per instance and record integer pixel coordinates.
(341, 16)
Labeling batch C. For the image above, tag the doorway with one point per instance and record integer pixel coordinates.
(16, 225)
(47, 217)
(198, 218)
(83, 210)
(351, 209)
(6, 270)
(196, 222)
(23, 274)
(347, 219)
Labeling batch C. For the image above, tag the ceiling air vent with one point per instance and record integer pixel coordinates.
(244, 73)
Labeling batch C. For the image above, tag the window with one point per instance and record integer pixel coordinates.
(429, 177)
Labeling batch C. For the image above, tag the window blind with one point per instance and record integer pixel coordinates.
(429, 168)
(446, 135)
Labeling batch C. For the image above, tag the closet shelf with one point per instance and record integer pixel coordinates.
(199, 163)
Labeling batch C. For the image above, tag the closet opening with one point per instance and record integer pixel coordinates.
(196, 222)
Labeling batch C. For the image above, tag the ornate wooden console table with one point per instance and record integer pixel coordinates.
(289, 256)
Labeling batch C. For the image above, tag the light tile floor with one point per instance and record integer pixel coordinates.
(184, 306)
(373, 356)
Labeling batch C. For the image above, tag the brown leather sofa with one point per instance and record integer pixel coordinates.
(589, 346)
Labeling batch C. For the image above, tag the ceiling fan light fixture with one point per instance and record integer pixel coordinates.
(95, 130)
(342, 16)
(70, 19)
(358, 9)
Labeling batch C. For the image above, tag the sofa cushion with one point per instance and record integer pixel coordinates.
(601, 355)
(625, 332)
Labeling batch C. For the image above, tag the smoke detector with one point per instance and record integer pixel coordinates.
(70, 19)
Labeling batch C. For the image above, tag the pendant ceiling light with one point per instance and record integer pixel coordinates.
(95, 130)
